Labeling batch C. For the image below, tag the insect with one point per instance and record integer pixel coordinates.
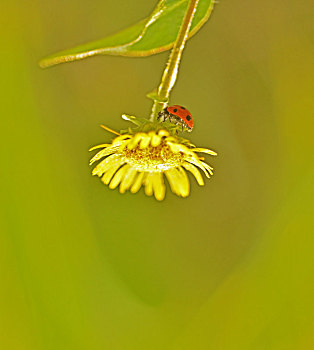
(178, 115)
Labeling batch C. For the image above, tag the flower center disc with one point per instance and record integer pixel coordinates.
(153, 159)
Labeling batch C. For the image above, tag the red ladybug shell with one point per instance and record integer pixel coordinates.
(182, 113)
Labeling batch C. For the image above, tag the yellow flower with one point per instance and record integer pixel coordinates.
(142, 158)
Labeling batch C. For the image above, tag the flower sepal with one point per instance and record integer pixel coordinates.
(145, 125)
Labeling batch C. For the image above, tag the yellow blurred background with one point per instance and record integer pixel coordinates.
(230, 267)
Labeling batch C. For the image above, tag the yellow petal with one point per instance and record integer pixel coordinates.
(137, 183)
(195, 172)
(205, 150)
(100, 146)
(177, 147)
(199, 164)
(173, 147)
(179, 182)
(103, 153)
(209, 168)
(145, 142)
(163, 133)
(149, 184)
(122, 145)
(121, 138)
(118, 176)
(109, 174)
(159, 186)
(185, 183)
(172, 181)
(127, 180)
(107, 163)
(135, 140)
(155, 140)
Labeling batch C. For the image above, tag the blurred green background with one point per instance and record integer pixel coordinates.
(230, 267)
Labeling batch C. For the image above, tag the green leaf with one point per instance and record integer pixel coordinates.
(152, 35)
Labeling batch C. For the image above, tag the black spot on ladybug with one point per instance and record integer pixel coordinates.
(188, 117)
(175, 110)
(182, 107)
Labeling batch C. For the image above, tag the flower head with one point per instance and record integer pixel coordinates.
(143, 158)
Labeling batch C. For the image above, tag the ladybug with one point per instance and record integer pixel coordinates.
(178, 115)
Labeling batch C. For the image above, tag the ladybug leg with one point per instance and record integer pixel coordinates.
(161, 115)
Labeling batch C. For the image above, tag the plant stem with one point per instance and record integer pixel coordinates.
(171, 71)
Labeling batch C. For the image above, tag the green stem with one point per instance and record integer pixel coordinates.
(171, 71)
